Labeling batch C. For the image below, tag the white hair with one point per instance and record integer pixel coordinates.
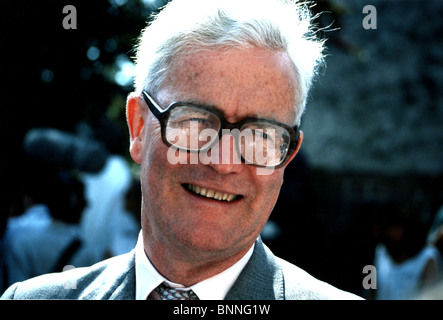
(187, 26)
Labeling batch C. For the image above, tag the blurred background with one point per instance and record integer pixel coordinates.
(366, 188)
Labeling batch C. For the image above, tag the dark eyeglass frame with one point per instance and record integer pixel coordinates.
(163, 114)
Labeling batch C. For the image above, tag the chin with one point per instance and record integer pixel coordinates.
(214, 243)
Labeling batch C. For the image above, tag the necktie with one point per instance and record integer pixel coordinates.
(168, 293)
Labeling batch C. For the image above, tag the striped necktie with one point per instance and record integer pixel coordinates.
(168, 293)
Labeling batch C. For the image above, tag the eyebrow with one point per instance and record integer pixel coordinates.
(219, 112)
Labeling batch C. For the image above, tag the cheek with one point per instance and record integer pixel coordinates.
(151, 137)
(259, 207)
(155, 177)
(156, 152)
(269, 182)
(153, 167)
(267, 189)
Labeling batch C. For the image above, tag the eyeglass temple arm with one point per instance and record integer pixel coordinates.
(153, 106)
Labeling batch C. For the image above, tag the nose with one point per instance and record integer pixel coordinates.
(223, 156)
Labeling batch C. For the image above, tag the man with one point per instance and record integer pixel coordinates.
(219, 92)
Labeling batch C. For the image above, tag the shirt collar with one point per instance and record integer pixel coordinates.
(147, 277)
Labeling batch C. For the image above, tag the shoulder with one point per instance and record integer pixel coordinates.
(110, 279)
(299, 284)
(267, 276)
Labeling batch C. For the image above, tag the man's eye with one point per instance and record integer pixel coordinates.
(265, 134)
(199, 120)
(261, 133)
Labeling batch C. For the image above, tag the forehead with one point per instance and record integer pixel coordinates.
(241, 83)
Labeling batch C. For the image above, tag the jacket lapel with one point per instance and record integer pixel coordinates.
(124, 287)
(261, 279)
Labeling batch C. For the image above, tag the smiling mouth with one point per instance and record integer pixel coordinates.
(211, 194)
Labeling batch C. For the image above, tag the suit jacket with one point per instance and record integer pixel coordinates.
(265, 277)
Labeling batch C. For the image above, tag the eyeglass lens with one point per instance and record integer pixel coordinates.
(193, 129)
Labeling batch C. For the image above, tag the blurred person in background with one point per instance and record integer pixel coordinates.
(435, 234)
(46, 237)
(125, 237)
(405, 263)
(105, 219)
(94, 151)
(434, 291)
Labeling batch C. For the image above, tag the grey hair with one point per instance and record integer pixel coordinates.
(188, 26)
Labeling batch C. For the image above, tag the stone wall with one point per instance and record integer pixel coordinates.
(378, 107)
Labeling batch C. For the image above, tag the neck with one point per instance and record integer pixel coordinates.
(191, 267)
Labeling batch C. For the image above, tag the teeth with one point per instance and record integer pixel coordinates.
(209, 193)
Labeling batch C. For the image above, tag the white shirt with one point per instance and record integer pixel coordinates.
(147, 277)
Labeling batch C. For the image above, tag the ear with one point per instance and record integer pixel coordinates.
(136, 124)
(300, 140)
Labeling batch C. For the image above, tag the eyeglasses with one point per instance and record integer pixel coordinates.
(194, 128)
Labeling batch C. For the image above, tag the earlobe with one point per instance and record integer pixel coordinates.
(136, 125)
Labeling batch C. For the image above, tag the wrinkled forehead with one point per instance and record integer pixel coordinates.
(250, 82)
